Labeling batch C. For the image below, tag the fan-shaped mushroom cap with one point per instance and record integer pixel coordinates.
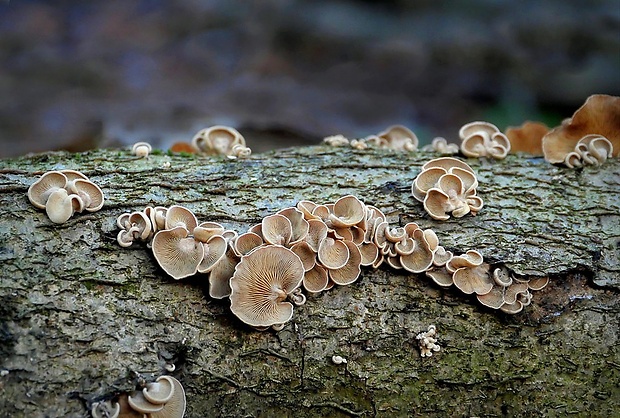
(369, 252)
(276, 229)
(333, 254)
(305, 254)
(221, 273)
(441, 145)
(447, 163)
(180, 216)
(317, 232)
(307, 207)
(502, 278)
(298, 224)
(441, 276)
(139, 403)
(473, 279)
(527, 137)
(261, 283)
(141, 149)
(177, 253)
(217, 139)
(512, 308)
(206, 230)
(441, 256)
(175, 407)
(437, 204)
(40, 190)
(538, 283)
(245, 243)
(471, 258)
(135, 225)
(316, 279)
(89, 192)
(477, 127)
(480, 139)
(421, 258)
(214, 250)
(157, 215)
(512, 292)
(399, 137)
(60, 206)
(426, 180)
(493, 299)
(351, 270)
(160, 391)
(600, 114)
(347, 211)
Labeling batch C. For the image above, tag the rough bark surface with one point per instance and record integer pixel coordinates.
(82, 318)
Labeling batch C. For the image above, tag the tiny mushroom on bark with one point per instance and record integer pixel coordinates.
(141, 149)
(398, 137)
(48, 183)
(441, 146)
(261, 284)
(599, 115)
(482, 139)
(220, 140)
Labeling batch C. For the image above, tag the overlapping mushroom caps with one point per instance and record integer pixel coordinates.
(441, 146)
(164, 398)
(62, 193)
(140, 225)
(447, 185)
(221, 140)
(483, 139)
(600, 116)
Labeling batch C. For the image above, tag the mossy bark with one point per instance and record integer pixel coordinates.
(82, 318)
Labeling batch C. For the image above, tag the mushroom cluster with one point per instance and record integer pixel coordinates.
(441, 146)
(163, 398)
(427, 341)
(140, 225)
(590, 136)
(483, 139)
(62, 193)
(221, 140)
(395, 137)
(471, 275)
(447, 185)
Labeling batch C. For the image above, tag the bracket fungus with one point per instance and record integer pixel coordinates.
(447, 185)
(483, 139)
(599, 115)
(62, 193)
(261, 284)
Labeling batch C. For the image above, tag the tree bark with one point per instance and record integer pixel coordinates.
(82, 318)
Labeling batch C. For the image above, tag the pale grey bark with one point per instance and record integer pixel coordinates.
(82, 316)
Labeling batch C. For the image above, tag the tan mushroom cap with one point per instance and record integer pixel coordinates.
(89, 192)
(351, 270)
(426, 180)
(538, 283)
(261, 283)
(299, 225)
(333, 254)
(493, 299)
(477, 127)
(421, 258)
(512, 308)
(204, 231)
(447, 163)
(246, 242)
(347, 211)
(141, 149)
(214, 251)
(600, 114)
(307, 207)
(218, 139)
(160, 391)
(157, 215)
(180, 216)
(175, 407)
(139, 403)
(61, 206)
(276, 229)
(441, 276)
(141, 223)
(221, 273)
(399, 137)
(369, 252)
(316, 279)
(305, 254)
(177, 254)
(480, 139)
(437, 205)
(512, 292)
(527, 137)
(473, 279)
(40, 190)
(317, 232)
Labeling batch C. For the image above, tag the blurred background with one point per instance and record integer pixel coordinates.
(83, 74)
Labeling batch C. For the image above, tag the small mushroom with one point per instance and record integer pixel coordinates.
(333, 254)
(276, 229)
(441, 146)
(214, 250)
(175, 406)
(139, 403)
(347, 211)
(351, 270)
(48, 183)
(180, 216)
(141, 149)
(160, 391)
(261, 284)
(218, 139)
(89, 192)
(399, 137)
(316, 279)
(473, 278)
(482, 139)
(494, 299)
(177, 253)
(60, 206)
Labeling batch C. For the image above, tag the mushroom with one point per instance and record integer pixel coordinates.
(600, 114)
(591, 149)
(89, 192)
(333, 254)
(218, 139)
(494, 299)
(105, 409)
(398, 137)
(527, 137)
(48, 183)
(60, 206)
(221, 273)
(336, 140)
(160, 391)
(351, 270)
(316, 279)
(214, 250)
(347, 211)
(483, 139)
(139, 403)
(299, 226)
(177, 253)
(262, 281)
(175, 406)
(141, 149)
(441, 146)
(245, 243)
(180, 216)
(470, 273)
